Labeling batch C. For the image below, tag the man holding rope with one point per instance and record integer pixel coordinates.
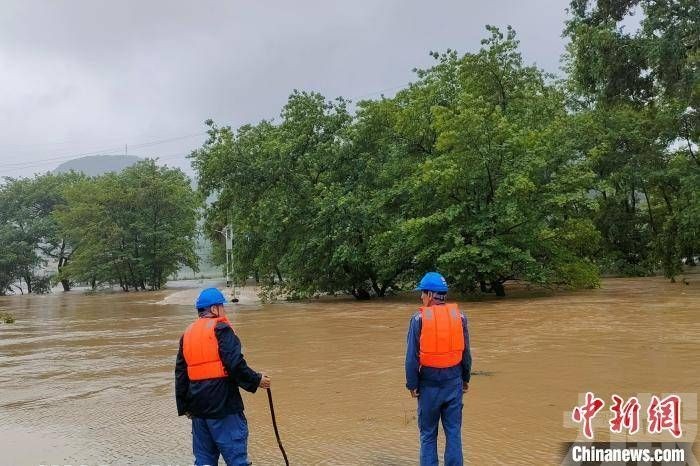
(208, 372)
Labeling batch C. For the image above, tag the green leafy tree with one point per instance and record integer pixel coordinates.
(26, 207)
(17, 259)
(485, 187)
(467, 170)
(636, 96)
(134, 228)
(290, 193)
(19, 233)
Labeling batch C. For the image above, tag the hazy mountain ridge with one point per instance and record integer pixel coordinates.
(94, 165)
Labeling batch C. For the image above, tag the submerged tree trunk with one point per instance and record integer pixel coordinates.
(494, 286)
(651, 216)
(376, 287)
(360, 294)
(279, 274)
(498, 288)
(483, 287)
(62, 262)
(28, 281)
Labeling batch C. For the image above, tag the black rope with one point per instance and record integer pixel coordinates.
(274, 424)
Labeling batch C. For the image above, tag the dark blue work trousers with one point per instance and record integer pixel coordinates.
(438, 402)
(227, 437)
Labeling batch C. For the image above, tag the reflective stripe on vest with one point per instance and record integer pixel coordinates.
(441, 336)
(201, 349)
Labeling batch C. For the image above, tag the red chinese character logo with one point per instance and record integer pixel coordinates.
(587, 412)
(626, 415)
(664, 415)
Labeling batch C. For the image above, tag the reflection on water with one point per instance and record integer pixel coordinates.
(89, 378)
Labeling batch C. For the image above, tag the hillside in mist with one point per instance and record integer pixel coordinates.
(94, 165)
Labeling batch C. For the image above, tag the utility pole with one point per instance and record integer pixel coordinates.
(227, 233)
(229, 247)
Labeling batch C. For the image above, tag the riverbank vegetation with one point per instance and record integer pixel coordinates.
(29, 233)
(133, 228)
(484, 168)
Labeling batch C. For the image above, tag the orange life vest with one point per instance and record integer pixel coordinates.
(201, 349)
(441, 337)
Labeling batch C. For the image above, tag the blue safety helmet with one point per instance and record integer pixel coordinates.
(209, 297)
(432, 281)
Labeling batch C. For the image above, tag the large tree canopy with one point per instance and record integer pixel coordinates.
(28, 232)
(134, 228)
(468, 170)
(636, 95)
(484, 168)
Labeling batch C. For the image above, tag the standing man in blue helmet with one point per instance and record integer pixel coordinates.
(209, 369)
(438, 368)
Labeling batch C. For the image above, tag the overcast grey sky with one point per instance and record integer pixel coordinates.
(89, 76)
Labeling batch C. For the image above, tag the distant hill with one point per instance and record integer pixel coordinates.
(94, 165)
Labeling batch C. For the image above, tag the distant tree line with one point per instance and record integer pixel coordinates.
(133, 228)
(484, 168)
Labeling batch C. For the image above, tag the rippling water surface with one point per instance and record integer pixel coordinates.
(87, 379)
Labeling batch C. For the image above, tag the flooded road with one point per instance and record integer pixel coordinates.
(88, 379)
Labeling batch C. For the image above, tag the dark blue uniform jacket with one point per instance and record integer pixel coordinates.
(216, 398)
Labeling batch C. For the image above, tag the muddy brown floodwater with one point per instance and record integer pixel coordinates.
(88, 379)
